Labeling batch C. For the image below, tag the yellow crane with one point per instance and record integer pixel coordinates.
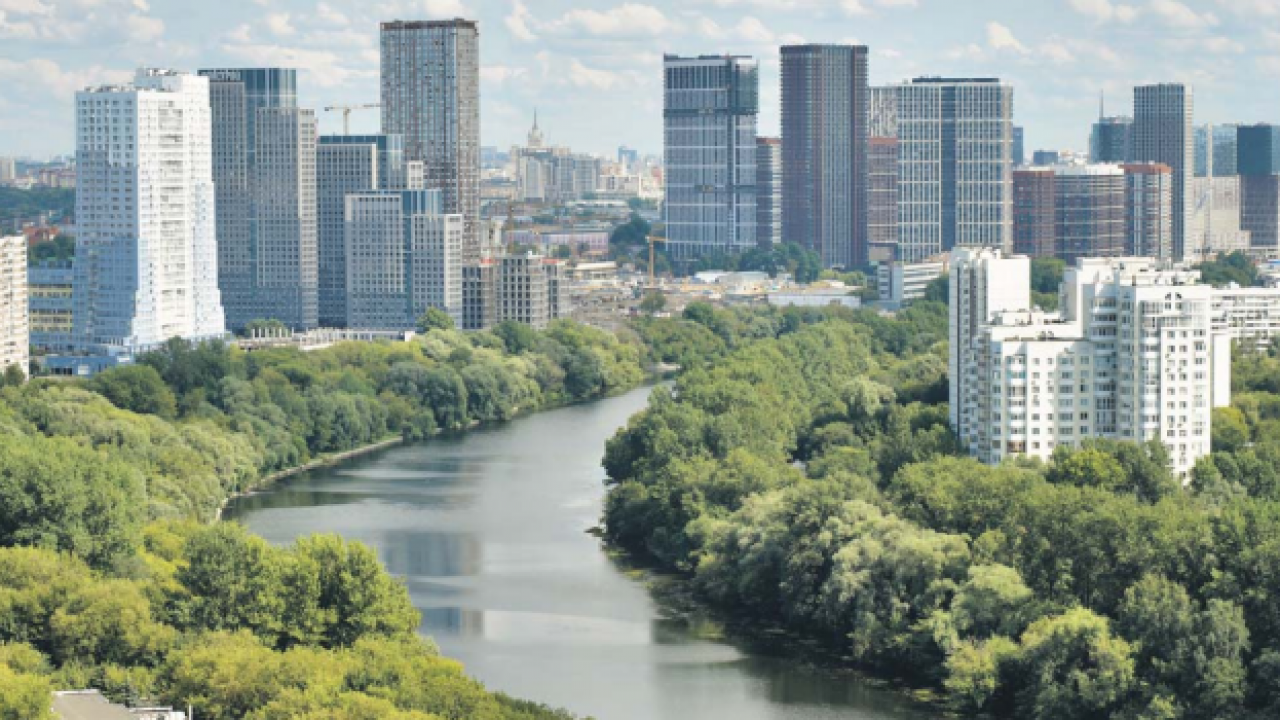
(346, 113)
(652, 240)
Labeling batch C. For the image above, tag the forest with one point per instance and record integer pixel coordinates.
(111, 576)
(805, 475)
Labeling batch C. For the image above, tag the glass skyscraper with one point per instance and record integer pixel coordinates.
(1162, 118)
(825, 112)
(709, 131)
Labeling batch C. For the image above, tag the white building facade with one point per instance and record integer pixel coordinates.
(146, 250)
(15, 326)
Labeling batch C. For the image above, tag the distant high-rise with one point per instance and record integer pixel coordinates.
(628, 158)
(1148, 210)
(236, 95)
(882, 175)
(1111, 140)
(1019, 146)
(286, 249)
(882, 111)
(1162, 122)
(1069, 211)
(403, 258)
(15, 325)
(146, 265)
(768, 191)
(710, 108)
(825, 103)
(431, 96)
(1258, 149)
(1260, 212)
(955, 166)
(1045, 157)
(1215, 151)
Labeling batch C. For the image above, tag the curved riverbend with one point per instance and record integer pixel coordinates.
(488, 529)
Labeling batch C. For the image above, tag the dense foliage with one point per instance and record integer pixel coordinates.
(1235, 267)
(218, 619)
(101, 586)
(18, 204)
(808, 476)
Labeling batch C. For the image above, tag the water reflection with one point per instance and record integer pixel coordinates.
(487, 530)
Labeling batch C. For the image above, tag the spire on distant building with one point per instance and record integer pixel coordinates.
(535, 135)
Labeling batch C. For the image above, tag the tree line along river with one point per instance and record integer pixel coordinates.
(489, 531)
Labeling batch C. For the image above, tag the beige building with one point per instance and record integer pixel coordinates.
(14, 328)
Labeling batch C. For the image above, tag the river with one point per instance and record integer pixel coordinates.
(488, 531)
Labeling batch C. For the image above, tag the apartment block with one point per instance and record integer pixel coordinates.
(15, 340)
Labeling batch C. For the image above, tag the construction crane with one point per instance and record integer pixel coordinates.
(652, 240)
(346, 113)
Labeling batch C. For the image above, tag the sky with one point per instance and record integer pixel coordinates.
(592, 68)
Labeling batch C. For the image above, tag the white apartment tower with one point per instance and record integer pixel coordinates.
(15, 328)
(146, 249)
(1132, 356)
(984, 282)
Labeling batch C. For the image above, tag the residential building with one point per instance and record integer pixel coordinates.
(1148, 210)
(146, 264)
(899, 283)
(1162, 117)
(768, 191)
(1089, 212)
(286, 244)
(709, 117)
(955, 166)
(345, 165)
(1260, 213)
(1249, 316)
(519, 287)
(1258, 149)
(431, 97)
(882, 175)
(8, 170)
(882, 112)
(403, 257)
(1132, 356)
(1019, 146)
(1214, 218)
(236, 95)
(1111, 140)
(1034, 212)
(1215, 151)
(15, 328)
(50, 298)
(825, 114)
(983, 282)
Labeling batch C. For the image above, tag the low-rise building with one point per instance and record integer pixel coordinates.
(901, 282)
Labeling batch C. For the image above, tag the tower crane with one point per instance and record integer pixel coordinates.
(346, 113)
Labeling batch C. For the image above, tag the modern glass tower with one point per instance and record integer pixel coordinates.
(1162, 133)
(825, 112)
(236, 97)
(431, 96)
(709, 116)
(955, 165)
(768, 191)
(1111, 140)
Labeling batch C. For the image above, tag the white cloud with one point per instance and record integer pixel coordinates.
(1000, 37)
(45, 78)
(1252, 8)
(330, 15)
(748, 30)
(500, 74)
(1178, 15)
(629, 19)
(445, 8)
(280, 24)
(1105, 10)
(142, 28)
(584, 77)
(240, 35)
(324, 68)
(518, 22)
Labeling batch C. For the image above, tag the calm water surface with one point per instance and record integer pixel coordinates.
(487, 530)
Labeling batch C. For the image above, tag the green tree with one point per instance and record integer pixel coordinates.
(138, 388)
(13, 377)
(435, 319)
(1229, 430)
(653, 302)
(1074, 668)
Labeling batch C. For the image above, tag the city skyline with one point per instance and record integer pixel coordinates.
(594, 70)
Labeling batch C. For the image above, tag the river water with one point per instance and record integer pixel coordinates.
(488, 531)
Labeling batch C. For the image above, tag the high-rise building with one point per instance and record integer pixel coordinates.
(628, 158)
(882, 112)
(146, 265)
(431, 96)
(882, 199)
(520, 287)
(1162, 122)
(8, 170)
(403, 257)
(710, 108)
(236, 95)
(955, 166)
(1019, 146)
(1215, 151)
(984, 282)
(825, 114)
(1034, 212)
(1148, 210)
(768, 191)
(1042, 158)
(1111, 140)
(15, 327)
(1213, 225)
(1260, 212)
(286, 247)
(1258, 149)
(1089, 212)
(1033, 382)
(347, 164)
